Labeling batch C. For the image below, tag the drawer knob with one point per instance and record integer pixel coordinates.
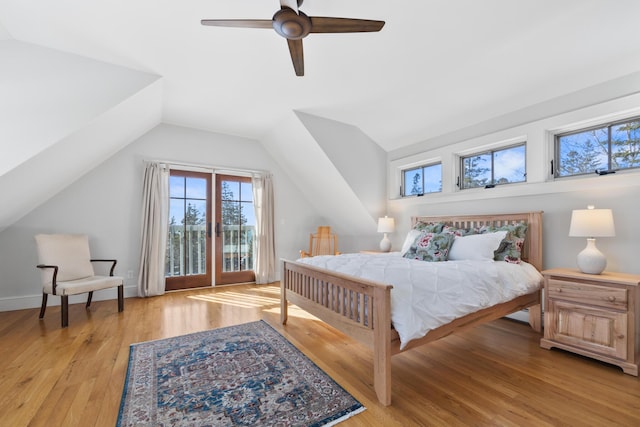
(612, 298)
(558, 290)
(620, 336)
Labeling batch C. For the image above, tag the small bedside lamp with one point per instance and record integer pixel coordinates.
(591, 223)
(386, 225)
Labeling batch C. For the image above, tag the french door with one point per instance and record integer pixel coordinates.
(188, 261)
(234, 230)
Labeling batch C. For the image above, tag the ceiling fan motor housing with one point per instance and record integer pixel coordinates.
(291, 25)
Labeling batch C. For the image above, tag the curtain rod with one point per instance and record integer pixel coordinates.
(207, 167)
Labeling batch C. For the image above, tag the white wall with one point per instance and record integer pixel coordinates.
(4, 34)
(557, 198)
(105, 203)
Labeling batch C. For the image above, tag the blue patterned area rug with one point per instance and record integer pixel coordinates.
(244, 375)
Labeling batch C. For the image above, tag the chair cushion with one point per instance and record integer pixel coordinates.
(70, 252)
(81, 286)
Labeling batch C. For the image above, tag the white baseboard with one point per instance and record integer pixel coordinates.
(522, 315)
(34, 301)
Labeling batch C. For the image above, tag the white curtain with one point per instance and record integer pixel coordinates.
(155, 223)
(265, 260)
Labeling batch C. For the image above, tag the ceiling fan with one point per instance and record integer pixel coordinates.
(292, 24)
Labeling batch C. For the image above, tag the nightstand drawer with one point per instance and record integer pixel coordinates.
(600, 296)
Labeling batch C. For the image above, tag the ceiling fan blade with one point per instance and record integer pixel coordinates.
(344, 25)
(239, 23)
(297, 55)
(291, 4)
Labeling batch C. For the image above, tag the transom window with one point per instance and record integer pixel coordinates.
(494, 167)
(422, 179)
(601, 149)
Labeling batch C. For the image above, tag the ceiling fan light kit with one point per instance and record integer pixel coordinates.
(292, 24)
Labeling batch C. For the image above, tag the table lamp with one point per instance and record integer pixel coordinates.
(386, 225)
(591, 223)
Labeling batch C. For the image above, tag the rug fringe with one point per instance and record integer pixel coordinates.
(345, 417)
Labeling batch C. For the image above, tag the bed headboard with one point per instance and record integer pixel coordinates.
(532, 250)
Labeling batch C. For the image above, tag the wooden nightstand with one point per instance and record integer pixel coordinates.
(595, 315)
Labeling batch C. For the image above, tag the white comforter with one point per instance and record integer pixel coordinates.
(427, 295)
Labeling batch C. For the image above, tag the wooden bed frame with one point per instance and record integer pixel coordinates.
(361, 308)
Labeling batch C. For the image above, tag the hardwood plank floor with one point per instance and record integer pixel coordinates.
(493, 375)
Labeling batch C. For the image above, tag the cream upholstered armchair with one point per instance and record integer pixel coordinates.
(66, 268)
(322, 242)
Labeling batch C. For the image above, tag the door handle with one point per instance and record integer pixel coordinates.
(208, 229)
(217, 229)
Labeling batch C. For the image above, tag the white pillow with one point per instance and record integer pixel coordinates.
(408, 241)
(476, 246)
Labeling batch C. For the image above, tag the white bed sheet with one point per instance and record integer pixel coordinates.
(427, 295)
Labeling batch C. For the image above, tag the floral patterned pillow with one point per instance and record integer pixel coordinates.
(429, 227)
(510, 249)
(430, 246)
(460, 232)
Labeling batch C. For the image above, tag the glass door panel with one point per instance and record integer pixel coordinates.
(235, 229)
(188, 260)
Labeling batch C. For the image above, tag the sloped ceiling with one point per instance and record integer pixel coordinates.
(52, 94)
(307, 147)
(436, 66)
(60, 116)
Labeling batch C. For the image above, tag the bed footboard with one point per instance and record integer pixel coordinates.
(359, 308)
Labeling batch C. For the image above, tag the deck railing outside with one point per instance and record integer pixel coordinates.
(187, 251)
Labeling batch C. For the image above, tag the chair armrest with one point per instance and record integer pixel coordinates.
(114, 261)
(55, 275)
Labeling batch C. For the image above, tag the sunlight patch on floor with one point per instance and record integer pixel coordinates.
(237, 299)
(293, 311)
(274, 290)
(256, 299)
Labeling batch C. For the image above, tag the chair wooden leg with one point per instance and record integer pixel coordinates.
(65, 310)
(43, 307)
(121, 298)
(89, 299)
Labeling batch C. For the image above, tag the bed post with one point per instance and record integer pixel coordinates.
(283, 295)
(534, 254)
(382, 344)
(535, 317)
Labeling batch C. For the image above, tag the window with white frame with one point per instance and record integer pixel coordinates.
(504, 165)
(599, 149)
(421, 180)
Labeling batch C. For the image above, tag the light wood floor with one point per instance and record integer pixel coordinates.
(494, 375)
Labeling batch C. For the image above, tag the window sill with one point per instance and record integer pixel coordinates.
(565, 185)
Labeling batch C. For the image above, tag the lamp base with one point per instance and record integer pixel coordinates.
(385, 244)
(591, 260)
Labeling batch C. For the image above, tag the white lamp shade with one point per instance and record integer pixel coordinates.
(592, 223)
(386, 225)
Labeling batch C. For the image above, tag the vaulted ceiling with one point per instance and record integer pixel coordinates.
(108, 71)
(436, 66)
